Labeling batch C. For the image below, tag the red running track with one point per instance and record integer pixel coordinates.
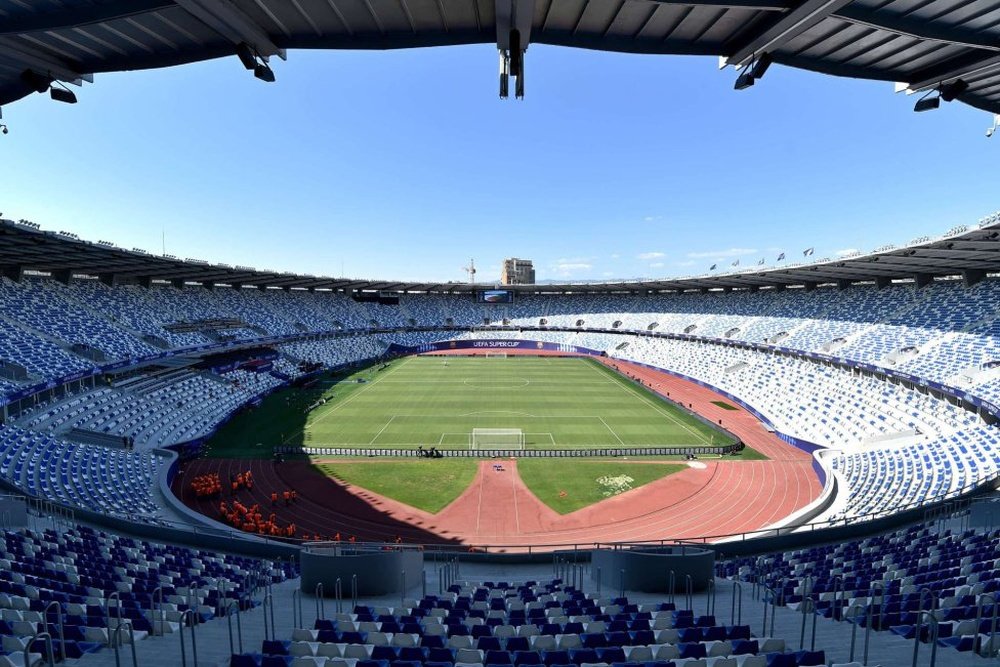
(718, 497)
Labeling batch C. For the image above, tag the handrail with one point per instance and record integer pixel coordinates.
(50, 658)
(734, 618)
(107, 611)
(117, 642)
(933, 636)
(856, 607)
(993, 623)
(774, 609)
(62, 630)
(193, 599)
(320, 603)
(158, 606)
(268, 604)
(808, 605)
(838, 591)
(298, 621)
(194, 643)
(933, 596)
(239, 626)
(221, 600)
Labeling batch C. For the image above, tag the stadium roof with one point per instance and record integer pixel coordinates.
(969, 253)
(928, 44)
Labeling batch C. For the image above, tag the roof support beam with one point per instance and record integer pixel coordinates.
(108, 279)
(26, 57)
(232, 23)
(965, 66)
(81, 15)
(804, 16)
(756, 5)
(882, 282)
(843, 284)
(908, 27)
(13, 272)
(972, 276)
(923, 279)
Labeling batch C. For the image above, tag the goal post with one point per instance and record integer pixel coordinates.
(495, 355)
(496, 438)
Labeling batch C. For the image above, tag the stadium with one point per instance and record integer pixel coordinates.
(789, 465)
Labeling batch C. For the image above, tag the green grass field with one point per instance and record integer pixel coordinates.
(559, 403)
(569, 488)
(424, 484)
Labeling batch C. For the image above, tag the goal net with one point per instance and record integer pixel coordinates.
(496, 355)
(496, 438)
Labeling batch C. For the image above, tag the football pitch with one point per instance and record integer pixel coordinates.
(559, 403)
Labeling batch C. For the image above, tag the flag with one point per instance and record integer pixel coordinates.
(807, 252)
(736, 263)
(761, 262)
(781, 257)
(712, 268)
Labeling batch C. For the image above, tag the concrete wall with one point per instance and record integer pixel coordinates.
(647, 569)
(377, 572)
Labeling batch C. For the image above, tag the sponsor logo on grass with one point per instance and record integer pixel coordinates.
(614, 485)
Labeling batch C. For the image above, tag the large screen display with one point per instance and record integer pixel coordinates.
(496, 296)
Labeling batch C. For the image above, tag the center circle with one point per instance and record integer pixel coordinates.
(487, 383)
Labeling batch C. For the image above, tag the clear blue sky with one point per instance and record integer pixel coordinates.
(404, 164)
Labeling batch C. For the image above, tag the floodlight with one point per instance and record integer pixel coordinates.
(743, 81)
(264, 73)
(62, 94)
(927, 102)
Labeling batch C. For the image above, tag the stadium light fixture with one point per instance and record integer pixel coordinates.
(254, 62)
(61, 93)
(263, 72)
(743, 81)
(752, 71)
(927, 102)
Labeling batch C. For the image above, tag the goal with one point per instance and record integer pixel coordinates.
(496, 355)
(496, 438)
